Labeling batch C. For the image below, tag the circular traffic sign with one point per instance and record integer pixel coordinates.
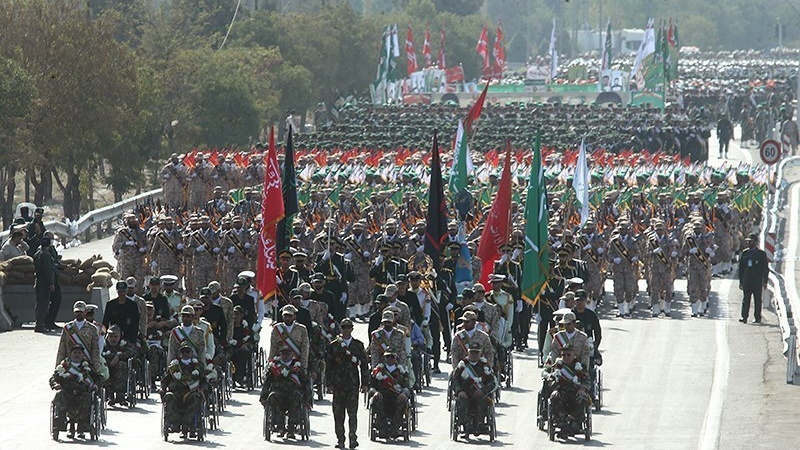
(770, 151)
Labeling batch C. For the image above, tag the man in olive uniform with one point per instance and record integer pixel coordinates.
(623, 258)
(187, 333)
(80, 332)
(199, 184)
(130, 248)
(347, 374)
(469, 336)
(662, 251)
(173, 181)
(204, 244)
(289, 333)
(387, 338)
(166, 253)
(699, 249)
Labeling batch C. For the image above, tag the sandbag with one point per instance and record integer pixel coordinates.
(81, 279)
(88, 263)
(2, 279)
(71, 262)
(64, 279)
(102, 263)
(71, 271)
(22, 260)
(31, 269)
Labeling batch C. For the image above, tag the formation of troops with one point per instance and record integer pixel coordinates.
(187, 305)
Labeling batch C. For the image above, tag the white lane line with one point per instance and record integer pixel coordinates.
(709, 435)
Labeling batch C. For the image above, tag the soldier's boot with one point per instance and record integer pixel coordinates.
(695, 308)
(664, 305)
(620, 309)
(627, 307)
(657, 308)
(703, 307)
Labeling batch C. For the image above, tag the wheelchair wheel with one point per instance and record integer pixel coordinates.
(450, 394)
(492, 419)
(426, 361)
(598, 390)
(143, 380)
(213, 409)
(509, 369)
(551, 426)
(541, 408)
(94, 422)
(408, 423)
(373, 429)
(103, 408)
(200, 421)
(53, 425)
(228, 380)
(267, 423)
(130, 393)
(305, 424)
(587, 426)
(259, 367)
(164, 425)
(453, 427)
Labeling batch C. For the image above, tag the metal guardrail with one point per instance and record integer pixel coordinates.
(102, 219)
(782, 299)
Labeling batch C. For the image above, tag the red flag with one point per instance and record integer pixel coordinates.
(190, 159)
(271, 213)
(482, 49)
(475, 111)
(426, 47)
(498, 222)
(214, 158)
(454, 74)
(240, 159)
(499, 54)
(411, 55)
(441, 61)
(321, 159)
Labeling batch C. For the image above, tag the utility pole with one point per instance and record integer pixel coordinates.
(600, 30)
(780, 33)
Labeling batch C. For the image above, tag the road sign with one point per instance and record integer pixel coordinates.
(770, 151)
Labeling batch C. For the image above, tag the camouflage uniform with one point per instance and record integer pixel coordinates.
(173, 179)
(347, 372)
(167, 251)
(118, 374)
(698, 249)
(204, 244)
(199, 185)
(286, 387)
(724, 230)
(183, 384)
(359, 248)
(241, 242)
(386, 403)
(625, 269)
(380, 342)
(130, 248)
(592, 249)
(662, 251)
(74, 393)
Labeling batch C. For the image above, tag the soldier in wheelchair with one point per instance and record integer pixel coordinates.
(182, 392)
(473, 382)
(569, 383)
(286, 389)
(74, 381)
(241, 347)
(392, 391)
(117, 352)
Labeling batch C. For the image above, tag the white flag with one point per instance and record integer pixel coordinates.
(581, 183)
(553, 52)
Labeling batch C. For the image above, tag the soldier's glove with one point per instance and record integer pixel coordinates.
(348, 256)
(519, 305)
(142, 249)
(711, 255)
(231, 250)
(587, 247)
(379, 260)
(673, 254)
(635, 259)
(247, 245)
(130, 243)
(515, 254)
(326, 255)
(600, 250)
(344, 297)
(201, 248)
(693, 250)
(420, 249)
(179, 246)
(709, 250)
(448, 307)
(215, 249)
(367, 254)
(657, 251)
(617, 260)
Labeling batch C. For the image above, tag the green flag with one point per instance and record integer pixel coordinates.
(673, 51)
(536, 263)
(459, 172)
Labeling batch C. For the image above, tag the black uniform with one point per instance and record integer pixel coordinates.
(125, 315)
(753, 275)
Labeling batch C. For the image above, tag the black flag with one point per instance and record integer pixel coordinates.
(436, 229)
(289, 190)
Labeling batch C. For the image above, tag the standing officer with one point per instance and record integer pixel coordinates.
(238, 247)
(347, 374)
(662, 251)
(167, 250)
(699, 251)
(205, 246)
(624, 258)
(45, 283)
(753, 276)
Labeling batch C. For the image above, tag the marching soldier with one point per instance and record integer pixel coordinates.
(347, 374)
(130, 248)
(593, 247)
(662, 250)
(204, 245)
(387, 338)
(623, 257)
(467, 337)
(218, 206)
(512, 271)
(289, 333)
(238, 247)
(338, 272)
(199, 183)
(173, 181)
(187, 333)
(359, 248)
(166, 252)
(698, 247)
(188, 253)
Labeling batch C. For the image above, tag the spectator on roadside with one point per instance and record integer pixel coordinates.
(753, 277)
(14, 247)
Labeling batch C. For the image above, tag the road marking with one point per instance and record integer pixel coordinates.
(709, 435)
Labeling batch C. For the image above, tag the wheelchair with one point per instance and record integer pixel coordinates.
(407, 422)
(421, 364)
(257, 364)
(319, 381)
(213, 406)
(557, 424)
(489, 421)
(132, 384)
(196, 430)
(272, 426)
(597, 385)
(226, 378)
(70, 422)
(158, 367)
(143, 379)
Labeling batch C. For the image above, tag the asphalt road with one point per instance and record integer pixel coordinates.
(679, 383)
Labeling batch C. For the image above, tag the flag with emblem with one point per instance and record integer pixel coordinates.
(498, 222)
(436, 221)
(289, 193)
(271, 213)
(536, 262)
